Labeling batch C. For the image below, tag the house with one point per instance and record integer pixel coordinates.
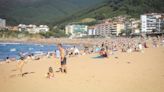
(12, 28)
(43, 28)
(33, 29)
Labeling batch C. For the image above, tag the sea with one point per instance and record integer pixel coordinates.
(12, 50)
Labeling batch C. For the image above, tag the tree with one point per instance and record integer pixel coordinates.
(126, 32)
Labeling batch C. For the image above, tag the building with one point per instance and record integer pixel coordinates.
(135, 26)
(12, 28)
(76, 30)
(2, 23)
(115, 26)
(110, 28)
(151, 22)
(43, 28)
(33, 29)
(105, 29)
(119, 27)
(91, 31)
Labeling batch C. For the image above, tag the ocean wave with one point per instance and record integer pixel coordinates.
(30, 48)
(8, 43)
(13, 49)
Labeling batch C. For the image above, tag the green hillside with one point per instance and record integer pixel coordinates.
(54, 12)
(42, 11)
(133, 8)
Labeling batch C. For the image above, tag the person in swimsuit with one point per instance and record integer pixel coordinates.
(62, 58)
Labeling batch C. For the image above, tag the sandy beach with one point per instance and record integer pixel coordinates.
(121, 72)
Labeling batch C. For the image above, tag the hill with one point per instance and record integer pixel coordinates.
(133, 8)
(42, 11)
(54, 12)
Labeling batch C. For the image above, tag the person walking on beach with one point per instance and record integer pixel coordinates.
(20, 65)
(62, 58)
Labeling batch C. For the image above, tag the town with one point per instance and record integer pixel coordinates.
(152, 23)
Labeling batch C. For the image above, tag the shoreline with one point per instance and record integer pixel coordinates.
(65, 41)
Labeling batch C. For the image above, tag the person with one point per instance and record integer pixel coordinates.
(57, 52)
(20, 65)
(154, 43)
(7, 60)
(145, 45)
(163, 42)
(76, 51)
(50, 73)
(140, 47)
(103, 53)
(21, 62)
(63, 67)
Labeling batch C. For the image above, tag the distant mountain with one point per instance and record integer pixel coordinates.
(53, 12)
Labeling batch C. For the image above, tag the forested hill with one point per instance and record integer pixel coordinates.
(59, 11)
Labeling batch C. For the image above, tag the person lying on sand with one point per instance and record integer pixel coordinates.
(50, 73)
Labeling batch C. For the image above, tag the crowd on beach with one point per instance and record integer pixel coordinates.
(108, 47)
(104, 47)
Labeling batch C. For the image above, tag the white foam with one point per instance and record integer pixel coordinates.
(13, 49)
(31, 48)
(9, 43)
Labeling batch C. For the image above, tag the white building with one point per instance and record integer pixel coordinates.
(76, 30)
(91, 31)
(22, 27)
(2, 23)
(151, 22)
(33, 28)
(43, 28)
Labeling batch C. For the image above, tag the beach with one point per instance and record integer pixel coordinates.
(121, 72)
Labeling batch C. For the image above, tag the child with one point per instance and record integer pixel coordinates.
(50, 73)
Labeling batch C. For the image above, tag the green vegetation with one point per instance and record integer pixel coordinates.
(56, 33)
(134, 8)
(49, 12)
(17, 34)
(56, 12)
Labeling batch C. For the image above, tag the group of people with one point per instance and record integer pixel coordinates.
(24, 59)
(105, 48)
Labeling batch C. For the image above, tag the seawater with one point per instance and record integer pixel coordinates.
(12, 50)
